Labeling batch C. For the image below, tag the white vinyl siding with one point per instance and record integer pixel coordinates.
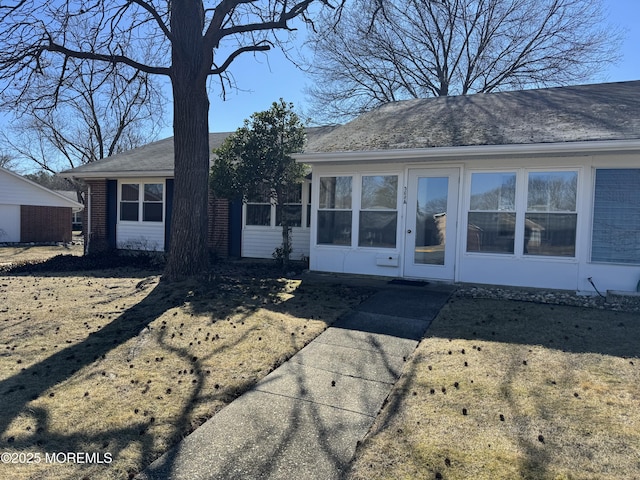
(260, 243)
(139, 228)
(543, 194)
(15, 190)
(261, 233)
(140, 236)
(9, 223)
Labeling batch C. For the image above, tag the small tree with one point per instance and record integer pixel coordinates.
(257, 158)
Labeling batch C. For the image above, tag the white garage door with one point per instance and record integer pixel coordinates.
(9, 223)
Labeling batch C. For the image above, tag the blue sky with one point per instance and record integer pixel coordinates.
(266, 78)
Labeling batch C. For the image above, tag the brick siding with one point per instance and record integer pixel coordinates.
(45, 224)
(96, 240)
(218, 231)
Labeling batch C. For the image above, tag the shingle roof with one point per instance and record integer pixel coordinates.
(154, 158)
(609, 111)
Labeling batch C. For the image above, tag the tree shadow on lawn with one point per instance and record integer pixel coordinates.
(566, 328)
(31, 383)
(539, 408)
(526, 325)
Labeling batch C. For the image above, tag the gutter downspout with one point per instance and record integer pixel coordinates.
(87, 234)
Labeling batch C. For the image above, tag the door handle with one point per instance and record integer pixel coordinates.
(409, 231)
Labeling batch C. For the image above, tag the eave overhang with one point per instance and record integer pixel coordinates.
(435, 154)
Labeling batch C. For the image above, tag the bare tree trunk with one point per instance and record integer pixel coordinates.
(286, 244)
(286, 229)
(188, 254)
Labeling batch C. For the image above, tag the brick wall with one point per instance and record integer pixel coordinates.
(45, 224)
(218, 231)
(96, 240)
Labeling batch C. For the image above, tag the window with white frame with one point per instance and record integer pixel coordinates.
(141, 202)
(335, 211)
(290, 206)
(491, 222)
(258, 208)
(378, 220)
(152, 202)
(263, 209)
(543, 215)
(616, 216)
(551, 216)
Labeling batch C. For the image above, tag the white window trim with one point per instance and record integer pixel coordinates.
(306, 185)
(520, 212)
(356, 202)
(399, 204)
(141, 183)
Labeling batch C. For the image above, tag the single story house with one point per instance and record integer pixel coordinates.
(532, 188)
(129, 203)
(32, 213)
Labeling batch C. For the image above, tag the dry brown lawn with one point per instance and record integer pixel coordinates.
(509, 390)
(28, 253)
(120, 366)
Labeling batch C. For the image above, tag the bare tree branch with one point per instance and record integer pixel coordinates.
(44, 47)
(253, 48)
(425, 48)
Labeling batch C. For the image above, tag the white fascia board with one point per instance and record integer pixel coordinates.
(469, 152)
(118, 174)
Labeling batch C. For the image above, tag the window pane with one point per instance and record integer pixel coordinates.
(493, 191)
(616, 216)
(431, 220)
(293, 195)
(152, 212)
(377, 229)
(293, 212)
(552, 191)
(335, 192)
(552, 234)
(129, 211)
(334, 227)
(153, 192)
(258, 214)
(379, 192)
(491, 232)
(259, 195)
(130, 192)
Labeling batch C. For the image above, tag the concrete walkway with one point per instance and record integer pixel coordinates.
(305, 418)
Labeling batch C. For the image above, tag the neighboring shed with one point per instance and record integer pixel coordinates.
(32, 213)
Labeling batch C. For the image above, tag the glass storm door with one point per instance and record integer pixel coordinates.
(430, 234)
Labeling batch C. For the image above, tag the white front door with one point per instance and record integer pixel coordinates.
(430, 230)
